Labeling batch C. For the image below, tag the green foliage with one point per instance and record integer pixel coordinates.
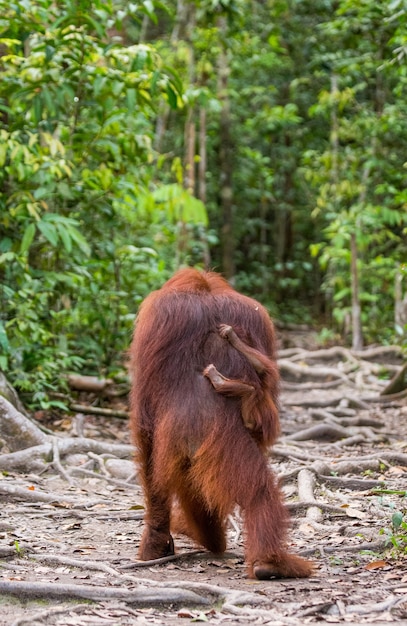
(77, 111)
(95, 102)
(396, 535)
(358, 176)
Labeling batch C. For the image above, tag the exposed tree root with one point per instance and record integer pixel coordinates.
(341, 403)
(89, 592)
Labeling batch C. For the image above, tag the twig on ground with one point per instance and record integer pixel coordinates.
(31, 494)
(96, 410)
(56, 462)
(164, 559)
(111, 481)
(43, 616)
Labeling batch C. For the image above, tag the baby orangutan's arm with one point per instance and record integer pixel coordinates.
(260, 362)
(232, 387)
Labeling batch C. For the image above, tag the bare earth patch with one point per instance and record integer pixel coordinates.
(70, 524)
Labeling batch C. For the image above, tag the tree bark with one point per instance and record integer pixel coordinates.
(16, 429)
(225, 161)
(357, 336)
(400, 305)
(202, 155)
(190, 142)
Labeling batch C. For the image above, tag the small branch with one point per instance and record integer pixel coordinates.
(108, 479)
(88, 383)
(56, 462)
(306, 485)
(296, 507)
(375, 546)
(33, 495)
(95, 410)
(289, 386)
(164, 559)
(43, 616)
(368, 608)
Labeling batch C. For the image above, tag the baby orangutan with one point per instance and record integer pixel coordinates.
(253, 400)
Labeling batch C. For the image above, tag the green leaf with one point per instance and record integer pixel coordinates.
(28, 237)
(49, 231)
(4, 344)
(397, 519)
(172, 97)
(80, 241)
(65, 237)
(193, 210)
(6, 257)
(3, 153)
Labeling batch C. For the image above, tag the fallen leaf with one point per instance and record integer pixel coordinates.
(391, 576)
(355, 513)
(200, 618)
(185, 613)
(397, 469)
(307, 529)
(73, 526)
(376, 565)
(224, 571)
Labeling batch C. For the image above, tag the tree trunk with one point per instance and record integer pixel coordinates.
(400, 305)
(190, 143)
(16, 429)
(357, 336)
(225, 162)
(202, 155)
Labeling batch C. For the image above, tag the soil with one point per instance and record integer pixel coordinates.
(88, 534)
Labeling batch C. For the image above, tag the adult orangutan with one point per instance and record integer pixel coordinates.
(203, 411)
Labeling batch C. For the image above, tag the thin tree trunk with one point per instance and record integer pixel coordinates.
(202, 164)
(357, 336)
(202, 155)
(190, 142)
(161, 127)
(334, 130)
(189, 21)
(400, 305)
(263, 243)
(225, 162)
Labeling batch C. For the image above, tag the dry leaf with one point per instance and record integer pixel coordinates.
(307, 529)
(397, 470)
(355, 513)
(376, 565)
(185, 613)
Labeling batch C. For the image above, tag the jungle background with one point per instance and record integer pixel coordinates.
(263, 139)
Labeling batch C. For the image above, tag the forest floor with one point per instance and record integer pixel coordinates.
(69, 531)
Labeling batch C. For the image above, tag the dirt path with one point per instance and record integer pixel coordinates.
(68, 542)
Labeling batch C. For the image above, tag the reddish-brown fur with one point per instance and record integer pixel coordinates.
(201, 444)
